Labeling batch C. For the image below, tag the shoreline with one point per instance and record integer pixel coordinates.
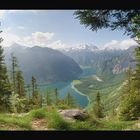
(74, 88)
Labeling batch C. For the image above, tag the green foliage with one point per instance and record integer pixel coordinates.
(69, 100)
(56, 96)
(5, 88)
(57, 122)
(136, 27)
(130, 100)
(53, 121)
(113, 19)
(17, 104)
(33, 85)
(35, 101)
(39, 113)
(14, 70)
(110, 90)
(115, 125)
(48, 98)
(22, 122)
(98, 108)
(20, 84)
(130, 21)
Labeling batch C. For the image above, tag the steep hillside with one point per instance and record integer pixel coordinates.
(46, 64)
(108, 61)
(109, 88)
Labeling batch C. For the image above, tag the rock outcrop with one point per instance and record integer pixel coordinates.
(73, 114)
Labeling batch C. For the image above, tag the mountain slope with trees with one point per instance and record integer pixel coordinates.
(46, 64)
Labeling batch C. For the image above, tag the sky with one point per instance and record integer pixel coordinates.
(55, 29)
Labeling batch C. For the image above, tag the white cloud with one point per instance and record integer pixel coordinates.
(37, 38)
(21, 27)
(57, 45)
(9, 39)
(125, 44)
(42, 37)
(112, 43)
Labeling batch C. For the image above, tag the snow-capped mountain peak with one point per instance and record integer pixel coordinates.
(85, 47)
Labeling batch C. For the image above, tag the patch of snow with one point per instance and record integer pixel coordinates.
(97, 78)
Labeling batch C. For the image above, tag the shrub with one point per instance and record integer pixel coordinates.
(39, 113)
(57, 122)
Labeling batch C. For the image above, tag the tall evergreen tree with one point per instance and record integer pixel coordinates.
(98, 108)
(17, 78)
(5, 89)
(69, 100)
(137, 70)
(56, 96)
(125, 102)
(14, 68)
(34, 85)
(36, 97)
(28, 90)
(48, 98)
(20, 84)
(43, 101)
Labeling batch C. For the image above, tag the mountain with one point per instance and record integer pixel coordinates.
(46, 64)
(106, 60)
(83, 47)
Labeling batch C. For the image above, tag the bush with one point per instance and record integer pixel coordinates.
(57, 122)
(39, 113)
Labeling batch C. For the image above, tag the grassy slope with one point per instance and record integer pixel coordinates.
(49, 119)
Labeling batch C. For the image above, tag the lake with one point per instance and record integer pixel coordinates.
(65, 87)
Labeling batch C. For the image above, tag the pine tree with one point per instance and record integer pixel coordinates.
(17, 78)
(125, 102)
(5, 89)
(43, 101)
(98, 108)
(69, 100)
(35, 101)
(20, 84)
(48, 98)
(56, 96)
(137, 71)
(28, 90)
(130, 104)
(130, 100)
(14, 68)
(128, 82)
(34, 86)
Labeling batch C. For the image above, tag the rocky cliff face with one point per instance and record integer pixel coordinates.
(111, 61)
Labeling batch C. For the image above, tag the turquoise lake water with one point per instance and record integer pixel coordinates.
(65, 87)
